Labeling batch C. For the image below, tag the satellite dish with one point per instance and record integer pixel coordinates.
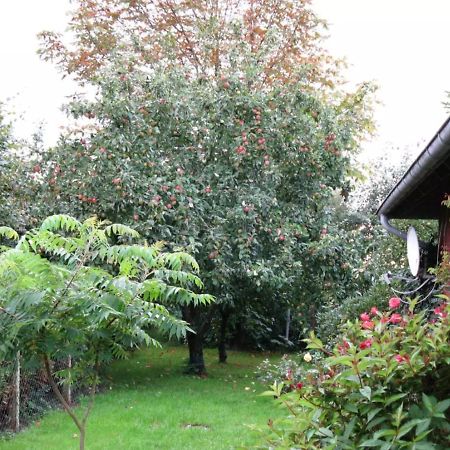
(413, 251)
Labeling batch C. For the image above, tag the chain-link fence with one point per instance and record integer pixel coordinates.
(25, 393)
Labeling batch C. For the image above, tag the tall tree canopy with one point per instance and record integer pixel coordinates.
(211, 38)
(14, 188)
(216, 126)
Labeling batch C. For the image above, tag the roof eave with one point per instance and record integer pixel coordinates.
(421, 168)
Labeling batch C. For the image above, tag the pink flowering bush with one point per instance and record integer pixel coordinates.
(385, 385)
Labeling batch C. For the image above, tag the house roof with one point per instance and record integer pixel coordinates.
(419, 193)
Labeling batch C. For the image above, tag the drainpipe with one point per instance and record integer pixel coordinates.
(384, 220)
(387, 226)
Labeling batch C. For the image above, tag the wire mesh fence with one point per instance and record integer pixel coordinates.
(26, 394)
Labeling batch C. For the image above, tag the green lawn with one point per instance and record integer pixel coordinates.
(150, 404)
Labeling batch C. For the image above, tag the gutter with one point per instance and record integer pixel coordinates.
(433, 154)
(420, 169)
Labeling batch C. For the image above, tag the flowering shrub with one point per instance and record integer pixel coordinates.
(333, 315)
(289, 370)
(384, 385)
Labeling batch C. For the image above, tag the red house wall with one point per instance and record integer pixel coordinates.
(444, 231)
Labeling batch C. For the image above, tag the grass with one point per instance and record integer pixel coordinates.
(150, 404)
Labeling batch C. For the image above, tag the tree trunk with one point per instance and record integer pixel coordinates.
(81, 425)
(224, 315)
(196, 363)
(199, 323)
(82, 438)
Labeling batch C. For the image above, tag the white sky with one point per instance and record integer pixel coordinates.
(400, 44)
(403, 46)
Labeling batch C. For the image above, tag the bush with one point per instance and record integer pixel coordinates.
(384, 385)
(332, 316)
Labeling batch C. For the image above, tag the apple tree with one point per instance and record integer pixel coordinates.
(216, 126)
(237, 176)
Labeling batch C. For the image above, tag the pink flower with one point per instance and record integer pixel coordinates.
(399, 358)
(299, 386)
(367, 325)
(289, 374)
(440, 311)
(365, 344)
(384, 319)
(364, 317)
(342, 348)
(394, 302)
(395, 318)
(374, 310)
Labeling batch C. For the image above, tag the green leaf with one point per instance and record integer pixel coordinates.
(386, 432)
(341, 360)
(372, 413)
(9, 233)
(60, 222)
(121, 230)
(394, 398)
(398, 415)
(428, 402)
(372, 443)
(366, 391)
(442, 406)
(422, 427)
(350, 406)
(326, 432)
(349, 428)
(407, 427)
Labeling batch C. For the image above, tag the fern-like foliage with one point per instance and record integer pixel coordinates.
(60, 222)
(66, 289)
(9, 233)
(121, 230)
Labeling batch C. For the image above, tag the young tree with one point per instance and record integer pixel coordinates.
(67, 290)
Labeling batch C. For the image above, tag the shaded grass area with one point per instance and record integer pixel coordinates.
(150, 404)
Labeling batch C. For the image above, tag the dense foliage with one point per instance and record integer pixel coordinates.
(239, 177)
(221, 127)
(269, 42)
(384, 385)
(8, 168)
(82, 290)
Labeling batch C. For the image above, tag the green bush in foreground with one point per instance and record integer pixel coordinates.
(81, 290)
(385, 385)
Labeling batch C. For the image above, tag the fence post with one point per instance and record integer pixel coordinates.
(68, 386)
(16, 396)
(288, 323)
